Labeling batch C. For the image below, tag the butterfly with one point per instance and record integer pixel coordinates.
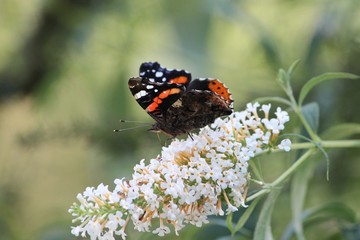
(177, 103)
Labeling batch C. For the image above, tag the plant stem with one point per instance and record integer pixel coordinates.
(328, 144)
(283, 176)
(340, 143)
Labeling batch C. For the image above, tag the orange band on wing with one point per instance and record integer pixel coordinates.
(180, 80)
(152, 107)
(166, 93)
(174, 91)
(159, 99)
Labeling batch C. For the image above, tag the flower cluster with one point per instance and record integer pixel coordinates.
(186, 183)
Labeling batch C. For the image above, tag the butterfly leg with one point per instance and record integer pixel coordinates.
(189, 134)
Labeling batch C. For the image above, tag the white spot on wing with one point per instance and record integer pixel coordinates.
(140, 94)
(164, 79)
(155, 90)
(149, 86)
(151, 79)
(142, 73)
(159, 74)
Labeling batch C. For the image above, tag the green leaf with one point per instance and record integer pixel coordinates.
(321, 78)
(273, 99)
(245, 216)
(311, 112)
(336, 210)
(229, 223)
(256, 169)
(220, 222)
(299, 186)
(283, 79)
(321, 214)
(341, 131)
(292, 67)
(263, 226)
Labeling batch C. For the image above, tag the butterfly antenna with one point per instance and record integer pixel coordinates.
(143, 124)
(125, 129)
(127, 121)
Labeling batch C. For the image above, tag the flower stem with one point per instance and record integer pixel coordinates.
(328, 144)
(311, 149)
(341, 143)
(283, 176)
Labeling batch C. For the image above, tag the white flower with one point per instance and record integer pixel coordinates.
(252, 107)
(282, 116)
(93, 229)
(187, 182)
(76, 230)
(121, 233)
(161, 231)
(285, 145)
(266, 108)
(273, 125)
(89, 193)
(231, 209)
(101, 190)
(108, 236)
(115, 220)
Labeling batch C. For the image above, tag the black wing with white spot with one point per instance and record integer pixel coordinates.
(158, 88)
(154, 72)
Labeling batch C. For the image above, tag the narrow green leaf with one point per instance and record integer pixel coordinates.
(321, 214)
(299, 186)
(337, 210)
(273, 99)
(229, 223)
(245, 216)
(263, 226)
(292, 67)
(283, 79)
(311, 112)
(341, 131)
(256, 169)
(321, 78)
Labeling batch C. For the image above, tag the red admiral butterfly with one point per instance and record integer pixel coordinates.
(178, 104)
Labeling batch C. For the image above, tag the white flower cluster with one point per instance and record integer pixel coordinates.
(185, 184)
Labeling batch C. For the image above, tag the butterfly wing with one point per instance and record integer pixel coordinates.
(158, 88)
(154, 72)
(215, 86)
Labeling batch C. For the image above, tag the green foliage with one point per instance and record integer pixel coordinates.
(317, 215)
(303, 169)
(311, 113)
(321, 78)
(263, 226)
(245, 216)
(341, 131)
(64, 68)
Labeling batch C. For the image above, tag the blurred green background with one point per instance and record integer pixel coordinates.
(64, 67)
